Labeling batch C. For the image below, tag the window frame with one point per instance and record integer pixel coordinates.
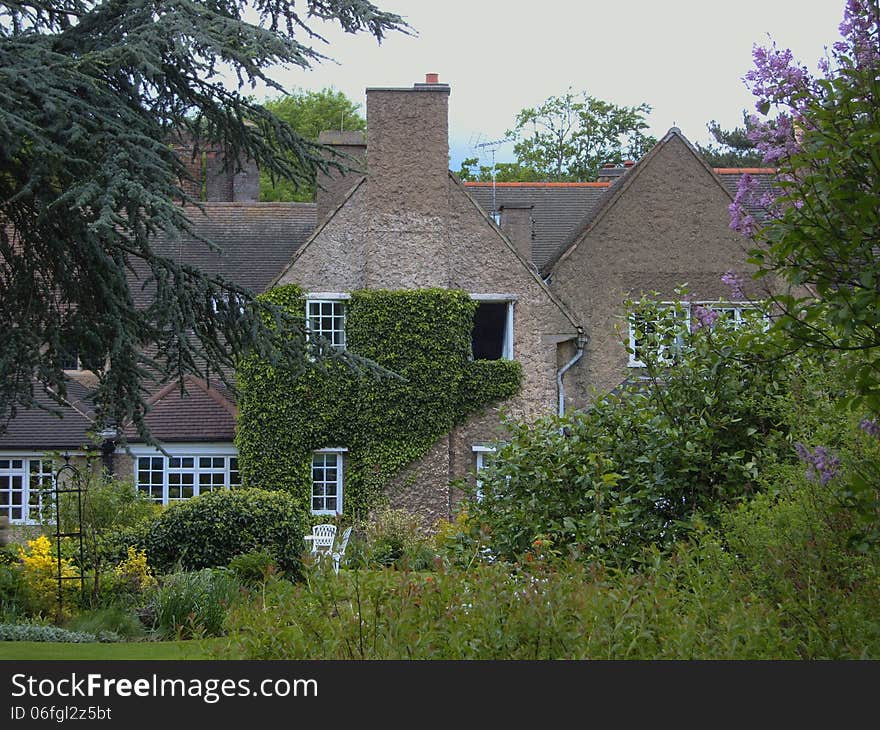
(507, 347)
(27, 489)
(334, 299)
(684, 327)
(480, 451)
(339, 452)
(162, 464)
(736, 306)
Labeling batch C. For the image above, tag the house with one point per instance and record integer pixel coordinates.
(549, 266)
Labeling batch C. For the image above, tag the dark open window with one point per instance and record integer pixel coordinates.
(490, 339)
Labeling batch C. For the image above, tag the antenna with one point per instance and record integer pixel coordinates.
(492, 145)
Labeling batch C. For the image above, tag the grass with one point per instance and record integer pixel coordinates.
(134, 650)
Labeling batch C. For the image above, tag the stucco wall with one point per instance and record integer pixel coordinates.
(668, 227)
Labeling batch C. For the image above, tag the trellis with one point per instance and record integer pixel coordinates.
(68, 481)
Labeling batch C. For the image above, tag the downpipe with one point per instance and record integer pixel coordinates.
(560, 388)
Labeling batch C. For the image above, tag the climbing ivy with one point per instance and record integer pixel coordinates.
(423, 337)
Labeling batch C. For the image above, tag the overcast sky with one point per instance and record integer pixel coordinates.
(686, 58)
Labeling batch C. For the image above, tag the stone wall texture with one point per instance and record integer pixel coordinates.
(668, 227)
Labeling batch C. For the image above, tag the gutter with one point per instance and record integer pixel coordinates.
(581, 341)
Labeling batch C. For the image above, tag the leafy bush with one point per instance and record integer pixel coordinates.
(194, 605)
(253, 568)
(393, 539)
(697, 600)
(13, 592)
(39, 567)
(634, 469)
(38, 632)
(792, 550)
(211, 529)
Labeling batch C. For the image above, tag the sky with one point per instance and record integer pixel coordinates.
(686, 58)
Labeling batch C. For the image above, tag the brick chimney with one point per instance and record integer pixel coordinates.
(332, 187)
(612, 173)
(516, 222)
(408, 146)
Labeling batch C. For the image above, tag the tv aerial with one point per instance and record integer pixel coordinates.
(491, 146)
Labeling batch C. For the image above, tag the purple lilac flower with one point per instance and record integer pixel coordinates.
(860, 29)
(776, 77)
(871, 427)
(705, 317)
(821, 466)
(735, 282)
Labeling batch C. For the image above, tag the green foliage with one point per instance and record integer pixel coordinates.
(393, 539)
(503, 172)
(94, 92)
(570, 137)
(792, 551)
(211, 529)
(194, 605)
(36, 632)
(823, 231)
(309, 113)
(732, 147)
(117, 621)
(13, 592)
(253, 568)
(107, 505)
(423, 337)
(635, 469)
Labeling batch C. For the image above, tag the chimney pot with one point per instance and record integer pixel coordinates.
(432, 78)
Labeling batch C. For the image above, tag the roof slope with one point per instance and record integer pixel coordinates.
(255, 241)
(204, 413)
(37, 429)
(557, 208)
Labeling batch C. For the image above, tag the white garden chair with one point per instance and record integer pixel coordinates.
(339, 553)
(322, 538)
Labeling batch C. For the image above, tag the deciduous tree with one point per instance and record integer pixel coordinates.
(309, 113)
(570, 137)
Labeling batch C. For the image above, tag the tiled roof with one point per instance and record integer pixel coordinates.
(256, 240)
(557, 208)
(205, 413)
(36, 429)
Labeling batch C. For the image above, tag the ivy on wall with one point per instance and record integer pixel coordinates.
(422, 335)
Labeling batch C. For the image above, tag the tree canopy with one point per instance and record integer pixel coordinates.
(732, 147)
(820, 232)
(309, 113)
(92, 92)
(570, 137)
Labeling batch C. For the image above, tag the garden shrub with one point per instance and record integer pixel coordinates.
(194, 604)
(637, 466)
(211, 529)
(253, 568)
(38, 632)
(393, 539)
(39, 568)
(792, 550)
(13, 592)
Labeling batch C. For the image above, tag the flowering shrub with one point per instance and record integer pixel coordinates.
(40, 569)
(134, 572)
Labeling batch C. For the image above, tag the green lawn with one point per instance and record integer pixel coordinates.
(136, 650)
